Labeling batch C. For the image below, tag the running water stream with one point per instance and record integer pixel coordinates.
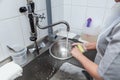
(67, 46)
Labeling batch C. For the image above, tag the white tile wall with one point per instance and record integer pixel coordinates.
(67, 13)
(15, 29)
(57, 15)
(1, 53)
(67, 2)
(14, 26)
(97, 3)
(106, 15)
(110, 3)
(83, 9)
(93, 13)
(8, 9)
(79, 2)
(78, 16)
(76, 30)
(25, 29)
(57, 12)
(56, 3)
(41, 4)
(10, 33)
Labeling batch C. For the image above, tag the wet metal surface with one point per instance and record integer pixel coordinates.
(45, 66)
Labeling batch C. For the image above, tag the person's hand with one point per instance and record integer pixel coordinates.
(90, 46)
(75, 51)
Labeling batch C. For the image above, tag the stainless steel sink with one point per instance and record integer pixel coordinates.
(59, 50)
(44, 66)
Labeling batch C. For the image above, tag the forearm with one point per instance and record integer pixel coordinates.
(90, 46)
(90, 67)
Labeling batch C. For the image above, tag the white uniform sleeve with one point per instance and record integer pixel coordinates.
(109, 66)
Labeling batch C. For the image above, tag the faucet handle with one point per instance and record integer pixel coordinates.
(22, 9)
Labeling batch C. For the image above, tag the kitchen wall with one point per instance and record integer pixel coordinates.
(57, 12)
(14, 26)
(76, 12)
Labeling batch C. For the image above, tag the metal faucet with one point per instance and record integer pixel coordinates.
(34, 22)
(52, 25)
(30, 10)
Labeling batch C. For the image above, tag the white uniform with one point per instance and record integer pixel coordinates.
(108, 49)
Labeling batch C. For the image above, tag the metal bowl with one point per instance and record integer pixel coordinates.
(59, 51)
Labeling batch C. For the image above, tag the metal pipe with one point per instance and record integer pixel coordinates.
(49, 17)
(31, 8)
(54, 24)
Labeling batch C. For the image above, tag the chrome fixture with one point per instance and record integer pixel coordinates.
(34, 22)
(30, 8)
(54, 24)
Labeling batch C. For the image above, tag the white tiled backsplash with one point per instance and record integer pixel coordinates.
(76, 12)
(8, 9)
(79, 2)
(14, 26)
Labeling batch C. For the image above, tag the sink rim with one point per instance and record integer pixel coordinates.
(50, 50)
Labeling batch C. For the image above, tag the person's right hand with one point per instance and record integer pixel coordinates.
(75, 50)
(90, 46)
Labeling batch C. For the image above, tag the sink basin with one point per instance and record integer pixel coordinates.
(59, 50)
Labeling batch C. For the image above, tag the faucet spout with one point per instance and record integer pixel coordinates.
(57, 23)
